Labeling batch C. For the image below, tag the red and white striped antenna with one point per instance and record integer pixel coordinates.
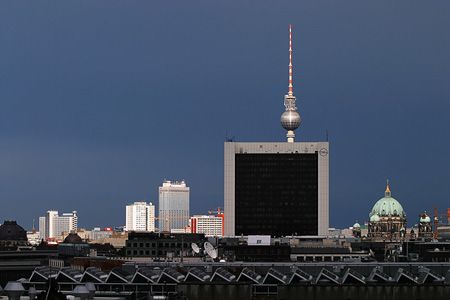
(290, 119)
(290, 61)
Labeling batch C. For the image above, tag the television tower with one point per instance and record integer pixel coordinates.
(290, 119)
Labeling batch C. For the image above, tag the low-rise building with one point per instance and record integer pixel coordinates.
(161, 245)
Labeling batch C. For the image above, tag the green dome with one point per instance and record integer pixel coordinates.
(425, 219)
(374, 218)
(356, 225)
(388, 207)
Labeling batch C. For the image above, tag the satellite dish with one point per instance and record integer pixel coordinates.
(195, 248)
(210, 250)
(213, 253)
(208, 247)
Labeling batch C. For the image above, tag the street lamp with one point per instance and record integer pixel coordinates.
(81, 292)
(14, 290)
(32, 293)
(91, 288)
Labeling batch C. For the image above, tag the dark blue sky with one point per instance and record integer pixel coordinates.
(102, 100)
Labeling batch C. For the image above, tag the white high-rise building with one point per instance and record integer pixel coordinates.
(209, 225)
(52, 225)
(173, 205)
(140, 216)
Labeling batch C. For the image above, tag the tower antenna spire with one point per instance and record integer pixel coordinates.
(290, 119)
(290, 61)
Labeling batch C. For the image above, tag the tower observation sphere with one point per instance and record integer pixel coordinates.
(290, 120)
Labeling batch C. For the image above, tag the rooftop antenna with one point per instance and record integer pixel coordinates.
(195, 248)
(291, 93)
(210, 250)
(327, 134)
(229, 139)
(290, 119)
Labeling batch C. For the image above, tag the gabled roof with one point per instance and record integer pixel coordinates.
(222, 275)
(249, 275)
(119, 275)
(145, 274)
(353, 277)
(195, 274)
(92, 274)
(428, 275)
(300, 276)
(403, 276)
(42, 274)
(378, 276)
(275, 276)
(327, 276)
(68, 274)
(170, 275)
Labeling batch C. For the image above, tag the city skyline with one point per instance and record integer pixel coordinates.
(101, 101)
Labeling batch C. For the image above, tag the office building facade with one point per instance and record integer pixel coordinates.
(209, 225)
(52, 225)
(276, 189)
(140, 216)
(173, 206)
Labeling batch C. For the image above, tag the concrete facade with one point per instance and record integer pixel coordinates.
(233, 148)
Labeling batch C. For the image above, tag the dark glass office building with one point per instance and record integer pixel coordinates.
(276, 189)
(273, 197)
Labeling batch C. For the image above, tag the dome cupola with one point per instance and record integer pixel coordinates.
(73, 238)
(388, 206)
(375, 218)
(12, 234)
(424, 218)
